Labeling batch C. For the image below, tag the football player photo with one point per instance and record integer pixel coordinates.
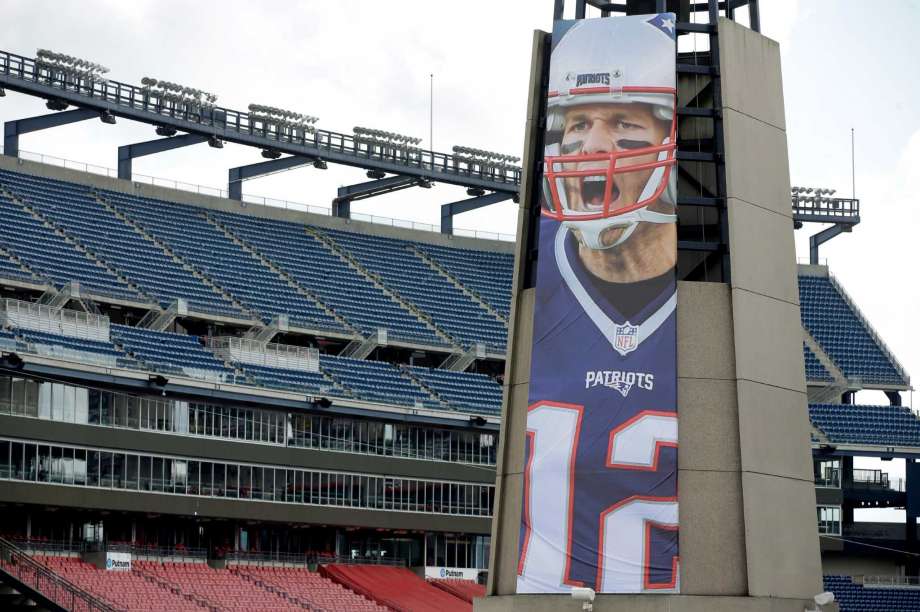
(600, 481)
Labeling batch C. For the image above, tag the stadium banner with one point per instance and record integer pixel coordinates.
(600, 479)
(118, 561)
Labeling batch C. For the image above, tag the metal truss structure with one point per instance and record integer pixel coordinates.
(842, 212)
(201, 122)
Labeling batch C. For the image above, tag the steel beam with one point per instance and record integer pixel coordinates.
(127, 153)
(823, 236)
(455, 208)
(236, 176)
(13, 129)
(341, 205)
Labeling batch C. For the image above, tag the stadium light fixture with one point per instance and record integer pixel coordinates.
(165, 130)
(271, 154)
(158, 379)
(11, 361)
(2, 93)
(56, 104)
(320, 164)
(282, 117)
(107, 117)
(425, 183)
(215, 143)
(384, 137)
(74, 67)
(475, 192)
(179, 94)
(376, 174)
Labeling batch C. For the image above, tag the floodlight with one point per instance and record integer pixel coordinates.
(11, 361)
(56, 104)
(271, 154)
(215, 142)
(107, 117)
(376, 174)
(165, 130)
(2, 93)
(475, 191)
(477, 421)
(320, 164)
(809, 190)
(425, 183)
(158, 380)
(321, 402)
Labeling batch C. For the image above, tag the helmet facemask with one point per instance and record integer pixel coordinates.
(612, 185)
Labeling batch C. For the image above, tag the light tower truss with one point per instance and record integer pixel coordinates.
(817, 205)
(96, 97)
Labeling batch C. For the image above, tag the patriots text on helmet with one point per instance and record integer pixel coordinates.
(592, 78)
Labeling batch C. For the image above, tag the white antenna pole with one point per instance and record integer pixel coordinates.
(853, 159)
(431, 113)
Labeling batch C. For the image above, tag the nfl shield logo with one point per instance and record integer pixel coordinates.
(626, 339)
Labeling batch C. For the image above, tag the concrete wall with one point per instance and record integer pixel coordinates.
(778, 495)
(748, 536)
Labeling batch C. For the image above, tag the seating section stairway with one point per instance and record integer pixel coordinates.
(318, 592)
(128, 590)
(395, 587)
(467, 590)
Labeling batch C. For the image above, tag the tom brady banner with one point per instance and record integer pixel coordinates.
(600, 481)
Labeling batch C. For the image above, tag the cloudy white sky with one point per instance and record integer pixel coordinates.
(363, 62)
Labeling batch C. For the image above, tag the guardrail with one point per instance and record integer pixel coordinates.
(304, 559)
(256, 200)
(897, 582)
(39, 578)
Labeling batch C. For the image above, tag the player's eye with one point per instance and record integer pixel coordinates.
(578, 126)
(627, 125)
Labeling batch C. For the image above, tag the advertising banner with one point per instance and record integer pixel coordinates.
(600, 480)
(118, 561)
(454, 573)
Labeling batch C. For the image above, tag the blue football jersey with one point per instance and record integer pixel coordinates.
(600, 502)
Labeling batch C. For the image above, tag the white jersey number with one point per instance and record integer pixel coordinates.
(553, 430)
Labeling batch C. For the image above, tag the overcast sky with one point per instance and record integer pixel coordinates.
(363, 62)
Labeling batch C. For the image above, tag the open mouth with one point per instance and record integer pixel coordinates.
(592, 192)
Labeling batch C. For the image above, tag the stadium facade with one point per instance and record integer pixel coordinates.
(193, 379)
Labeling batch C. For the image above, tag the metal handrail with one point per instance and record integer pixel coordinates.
(891, 582)
(252, 199)
(39, 578)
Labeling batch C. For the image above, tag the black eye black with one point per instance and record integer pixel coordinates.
(625, 143)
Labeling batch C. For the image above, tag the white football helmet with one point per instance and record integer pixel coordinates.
(614, 60)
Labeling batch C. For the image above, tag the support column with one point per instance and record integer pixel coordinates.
(455, 208)
(341, 205)
(823, 236)
(237, 175)
(13, 129)
(127, 153)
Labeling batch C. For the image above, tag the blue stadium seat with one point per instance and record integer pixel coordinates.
(853, 597)
(314, 383)
(814, 369)
(376, 381)
(189, 235)
(486, 273)
(463, 390)
(879, 425)
(170, 353)
(400, 269)
(74, 208)
(842, 335)
(50, 255)
(340, 287)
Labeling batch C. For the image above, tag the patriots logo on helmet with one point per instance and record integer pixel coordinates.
(626, 339)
